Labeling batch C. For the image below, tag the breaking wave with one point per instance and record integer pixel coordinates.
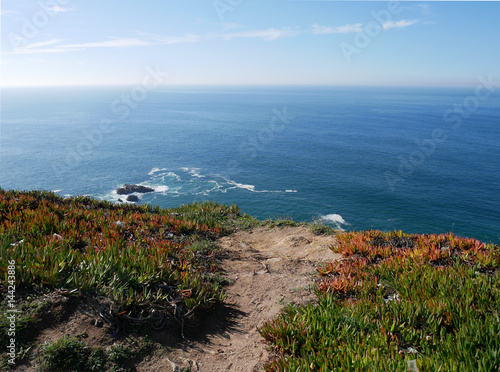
(335, 219)
(186, 182)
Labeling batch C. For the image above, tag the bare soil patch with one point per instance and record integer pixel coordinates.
(66, 316)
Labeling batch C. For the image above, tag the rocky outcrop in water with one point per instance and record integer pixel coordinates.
(132, 198)
(129, 189)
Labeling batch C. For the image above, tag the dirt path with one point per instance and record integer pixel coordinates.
(270, 268)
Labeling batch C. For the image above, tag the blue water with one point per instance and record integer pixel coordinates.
(355, 157)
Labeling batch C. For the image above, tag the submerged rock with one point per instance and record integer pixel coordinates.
(129, 189)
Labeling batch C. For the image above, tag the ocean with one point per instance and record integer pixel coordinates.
(424, 160)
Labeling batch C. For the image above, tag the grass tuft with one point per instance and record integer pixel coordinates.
(65, 354)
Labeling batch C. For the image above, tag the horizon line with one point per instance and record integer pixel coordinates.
(226, 85)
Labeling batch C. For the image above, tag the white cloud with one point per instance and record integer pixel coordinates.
(270, 34)
(321, 30)
(42, 44)
(59, 9)
(349, 28)
(402, 23)
(357, 27)
(45, 51)
(115, 42)
(38, 48)
(146, 39)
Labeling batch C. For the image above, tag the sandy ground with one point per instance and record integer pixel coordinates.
(270, 268)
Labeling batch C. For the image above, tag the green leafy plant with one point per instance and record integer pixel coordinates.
(140, 265)
(65, 354)
(395, 298)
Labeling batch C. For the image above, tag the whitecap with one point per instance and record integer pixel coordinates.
(242, 186)
(56, 190)
(156, 170)
(337, 219)
(193, 172)
(161, 175)
(114, 197)
(251, 188)
(163, 188)
(172, 174)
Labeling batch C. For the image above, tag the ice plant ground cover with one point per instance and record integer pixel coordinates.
(139, 266)
(397, 302)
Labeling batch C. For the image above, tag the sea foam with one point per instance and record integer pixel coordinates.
(155, 170)
(163, 188)
(251, 188)
(242, 186)
(337, 219)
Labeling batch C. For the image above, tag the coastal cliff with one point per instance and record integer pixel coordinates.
(83, 275)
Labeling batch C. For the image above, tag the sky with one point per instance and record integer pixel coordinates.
(240, 42)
